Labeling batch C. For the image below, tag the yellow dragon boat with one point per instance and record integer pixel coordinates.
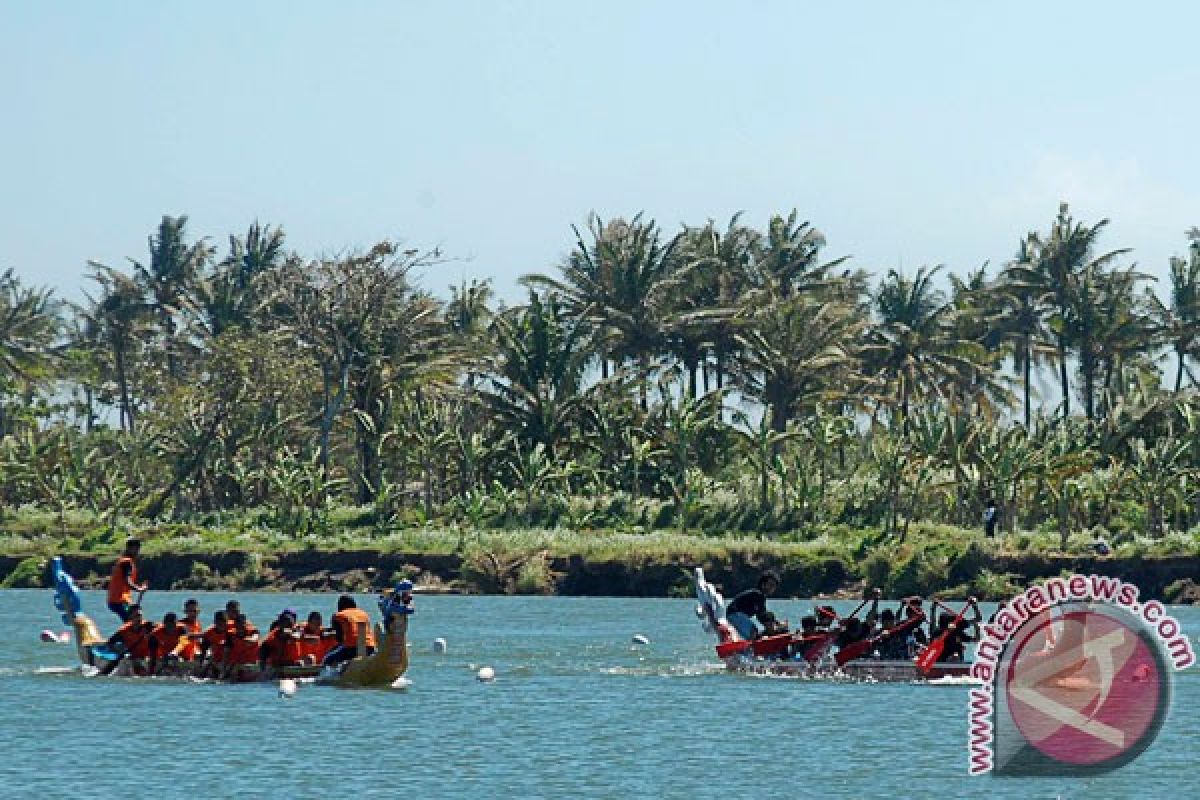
(379, 670)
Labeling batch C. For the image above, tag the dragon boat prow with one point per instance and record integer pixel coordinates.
(768, 655)
(380, 669)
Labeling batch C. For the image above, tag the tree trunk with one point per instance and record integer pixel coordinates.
(127, 420)
(1062, 376)
(1027, 370)
(333, 401)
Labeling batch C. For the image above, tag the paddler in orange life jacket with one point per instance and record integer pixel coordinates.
(241, 648)
(315, 639)
(233, 610)
(345, 622)
(124, 581)
(212, 642)
(165, 641)
(193, 628)
(281, 647)
(132, 640)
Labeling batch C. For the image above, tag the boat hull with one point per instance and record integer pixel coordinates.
(867, 670)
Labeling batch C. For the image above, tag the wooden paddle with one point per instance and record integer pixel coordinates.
(933, 653)
(818, 650)
(864, 646)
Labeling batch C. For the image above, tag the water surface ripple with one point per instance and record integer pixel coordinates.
(577, 711)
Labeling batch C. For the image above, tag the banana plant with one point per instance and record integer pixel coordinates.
(1157, 469)
(762, 445)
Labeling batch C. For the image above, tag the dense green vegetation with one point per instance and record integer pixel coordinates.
(721, 380)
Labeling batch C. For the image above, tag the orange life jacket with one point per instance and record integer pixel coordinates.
(214, 641)
(281, 649)
(231, 627)
(316, 643)
(167, 639)
(347, 621)
(135, 638)
(191, 647)
(242, 649)
(120, 589)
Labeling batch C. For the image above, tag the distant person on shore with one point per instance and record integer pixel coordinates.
(991, 517)
(751, 605)
(124, 581)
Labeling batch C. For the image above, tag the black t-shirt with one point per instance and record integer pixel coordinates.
(752, 603)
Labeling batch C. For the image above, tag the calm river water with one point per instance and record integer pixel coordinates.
(577, 711)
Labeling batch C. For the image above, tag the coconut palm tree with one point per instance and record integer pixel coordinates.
(623, 279)
(169, 279)
(29, 327)
(1179, 321)
(719, 281)
(230, 295)
(120, 318)
(1121, 335)
(536, 373)
(788, 258)
(914, 349)
(1021, 323)
(1051, 273)
(795, 353)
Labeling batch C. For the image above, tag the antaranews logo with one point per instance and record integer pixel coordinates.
(1076, 676)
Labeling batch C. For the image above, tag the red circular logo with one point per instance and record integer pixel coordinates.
(1088, 689)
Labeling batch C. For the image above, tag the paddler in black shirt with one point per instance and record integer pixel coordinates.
(751, 605)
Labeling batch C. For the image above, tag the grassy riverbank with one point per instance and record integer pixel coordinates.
(240, 551)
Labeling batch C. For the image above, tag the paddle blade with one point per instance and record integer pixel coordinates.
(728, 649)
(771, 645)
(852, 651)
(929, 657)
(815, 651)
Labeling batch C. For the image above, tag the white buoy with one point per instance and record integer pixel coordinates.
(64, 637)
(439, 645)
(485, 675)
(287, 688)
(401, 683)
(640, 638)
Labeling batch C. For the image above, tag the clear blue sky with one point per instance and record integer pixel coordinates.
(910, 133)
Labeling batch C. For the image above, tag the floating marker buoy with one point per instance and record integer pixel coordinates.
(287, 688)
(485, 675)
(439, 645)
(639, 638)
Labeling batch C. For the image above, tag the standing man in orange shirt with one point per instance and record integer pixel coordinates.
(124, 581)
